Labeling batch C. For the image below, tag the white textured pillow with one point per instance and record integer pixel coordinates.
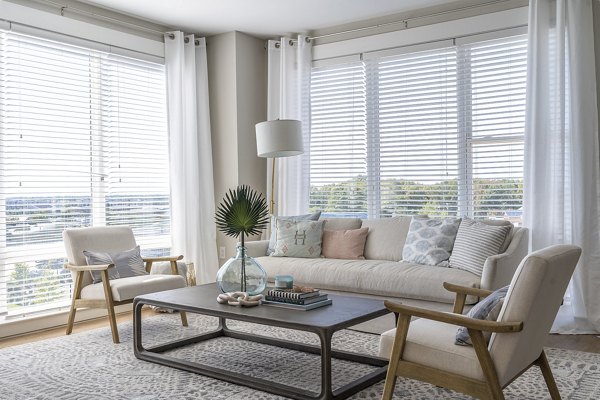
(475, 242)
(430, 240)
(273, 238)
(298, 238)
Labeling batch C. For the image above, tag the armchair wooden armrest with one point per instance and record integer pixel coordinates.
(451, 287)
(161, 259)
(77, 268)
(461, 295)
(454, 319)
(171, 259)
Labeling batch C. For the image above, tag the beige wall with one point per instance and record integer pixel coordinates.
(237, 75)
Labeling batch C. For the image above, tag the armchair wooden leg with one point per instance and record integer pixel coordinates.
(76, 294)
(487, 365)
(542, 362)
(110, 306)
(397, 351)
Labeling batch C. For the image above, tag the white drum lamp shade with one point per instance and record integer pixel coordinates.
(279, 138)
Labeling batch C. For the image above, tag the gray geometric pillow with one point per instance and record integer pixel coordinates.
(126, 263)
(298, 238)
(273, 239)
(429, 241)
(487, 309)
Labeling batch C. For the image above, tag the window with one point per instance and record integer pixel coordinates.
(83, 143)
(436, 132)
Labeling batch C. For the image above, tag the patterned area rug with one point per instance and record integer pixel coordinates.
(88, 365)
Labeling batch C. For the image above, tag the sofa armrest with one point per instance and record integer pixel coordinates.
(257, 248)
(498, 270)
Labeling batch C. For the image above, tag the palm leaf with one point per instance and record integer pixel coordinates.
(242, 211)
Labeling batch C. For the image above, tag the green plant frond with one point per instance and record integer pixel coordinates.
(242, 210)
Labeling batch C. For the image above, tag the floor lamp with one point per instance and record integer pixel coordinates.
(278, 138)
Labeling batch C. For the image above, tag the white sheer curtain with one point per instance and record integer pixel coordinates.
(562, 172)
(190, 151)
(289, 65)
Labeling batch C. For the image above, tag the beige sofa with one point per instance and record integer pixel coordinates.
(383, 275)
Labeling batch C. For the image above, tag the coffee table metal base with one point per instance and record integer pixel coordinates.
(154, 354)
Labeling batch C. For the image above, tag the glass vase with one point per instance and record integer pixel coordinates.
(242, 274)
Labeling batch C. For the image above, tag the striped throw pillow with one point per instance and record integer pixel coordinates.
(475, 242)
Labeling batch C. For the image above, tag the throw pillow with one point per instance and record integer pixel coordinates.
(126, 263)
(475, 242)
(487, 309)
(273, 238)
(347, 245)
(342, 224)
(430, 240)
(502, 222)
(298, 238)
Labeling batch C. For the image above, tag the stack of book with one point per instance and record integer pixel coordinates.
(295, 299)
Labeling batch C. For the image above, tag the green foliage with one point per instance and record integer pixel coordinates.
(242, 211)
(491, 197)
(29, 286)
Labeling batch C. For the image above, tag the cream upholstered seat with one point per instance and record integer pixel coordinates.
(110, 293)
(424, 349)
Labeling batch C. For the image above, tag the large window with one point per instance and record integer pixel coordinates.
(83, 142)
(437, 132)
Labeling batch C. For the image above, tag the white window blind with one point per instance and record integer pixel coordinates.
(83, 143)
(414, 100)
(338, 145)
(492, 96)
(441, 132)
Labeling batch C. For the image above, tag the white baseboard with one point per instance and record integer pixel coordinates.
(56, 319)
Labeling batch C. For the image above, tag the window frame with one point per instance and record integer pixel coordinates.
(466, 141)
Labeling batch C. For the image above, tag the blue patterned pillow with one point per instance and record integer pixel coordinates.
(487, 309)
(430, 240)
(126, 263)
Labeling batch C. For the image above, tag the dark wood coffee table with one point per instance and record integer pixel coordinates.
(344, 312)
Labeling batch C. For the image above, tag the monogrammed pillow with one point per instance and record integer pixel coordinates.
(298, 239)
(273, 238)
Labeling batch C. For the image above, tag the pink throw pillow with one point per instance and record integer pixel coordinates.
(348, 245)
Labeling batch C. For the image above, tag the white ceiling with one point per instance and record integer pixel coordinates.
(262, 18)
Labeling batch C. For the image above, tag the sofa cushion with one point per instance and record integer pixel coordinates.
(298, 238)
(430, 240)
(347, 244)
(475, 242)
(386, 237)
(273, 238)
(128, 288)
(377, 277)
(431, 343)
(341, 224)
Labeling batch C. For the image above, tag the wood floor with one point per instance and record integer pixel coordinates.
(588, 343)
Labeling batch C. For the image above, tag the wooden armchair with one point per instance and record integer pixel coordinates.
(110, 293)
(427, 352)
